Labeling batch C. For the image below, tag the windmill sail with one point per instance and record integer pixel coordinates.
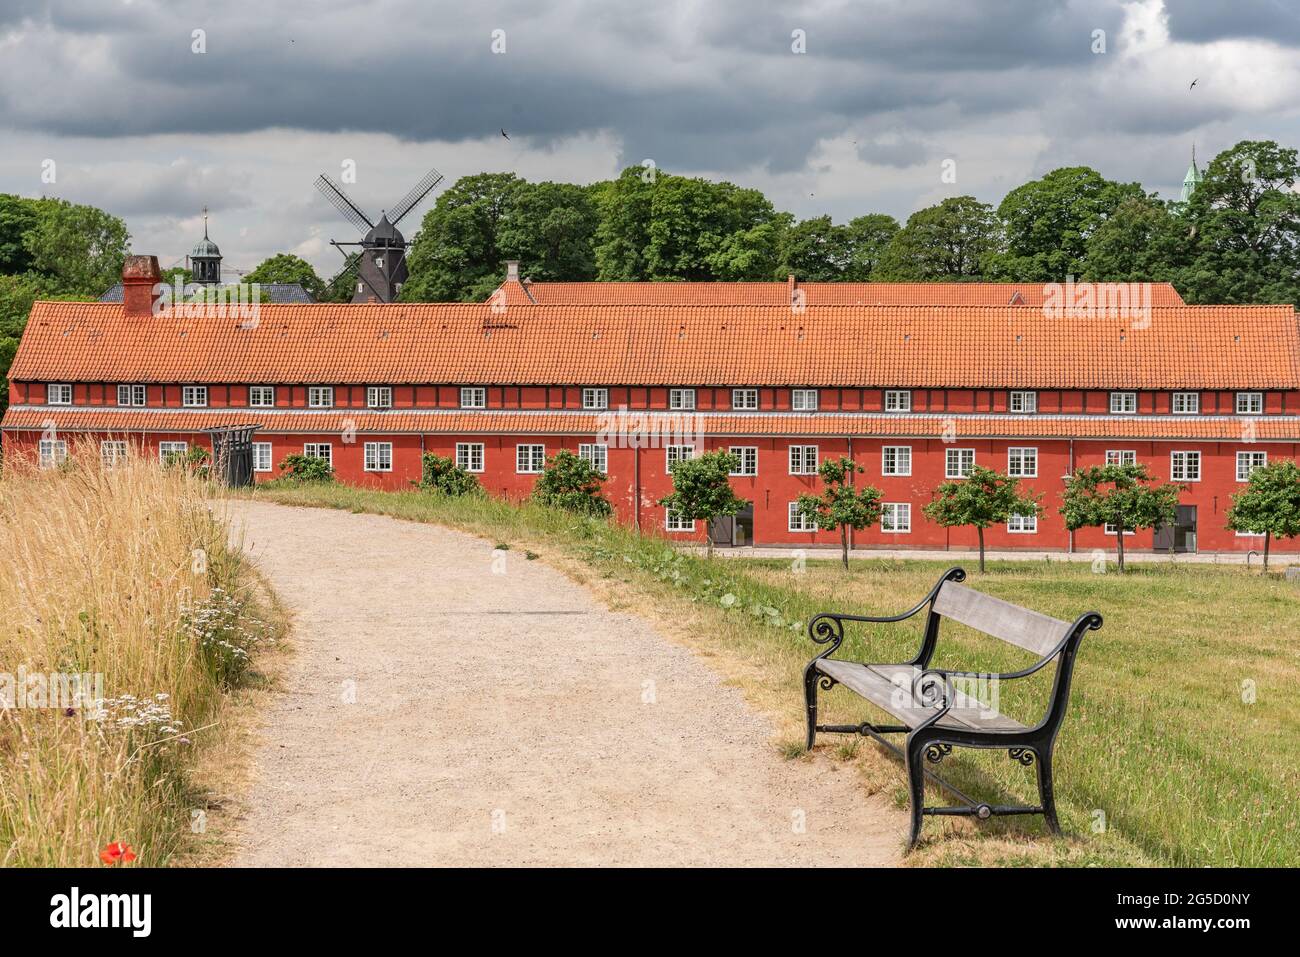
(417, 193)
(334, 193)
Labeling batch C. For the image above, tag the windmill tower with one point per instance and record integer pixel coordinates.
(377, 263)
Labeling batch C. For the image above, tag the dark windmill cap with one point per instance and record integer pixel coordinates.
(384, 233)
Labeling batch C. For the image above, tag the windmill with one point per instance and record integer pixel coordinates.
(378, 265)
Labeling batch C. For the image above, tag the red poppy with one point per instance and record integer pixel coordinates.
(119, 852)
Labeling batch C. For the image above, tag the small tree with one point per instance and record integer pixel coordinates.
(982, 499)
(841, 505)
(445, 476)
(1123, 496)
(1270, 503)
(306, 468)
(573, 484)
(702, 490)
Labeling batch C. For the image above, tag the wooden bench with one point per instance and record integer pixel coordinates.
(933, 714)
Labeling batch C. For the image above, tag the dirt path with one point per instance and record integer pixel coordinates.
(437, 712)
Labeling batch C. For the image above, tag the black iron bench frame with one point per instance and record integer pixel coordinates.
(932, 689)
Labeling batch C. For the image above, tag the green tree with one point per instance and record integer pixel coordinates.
(1140, 241)
(573, 484)
(1244, 219)
(17, 217)
(1046, 223)
(444, 475)
(1123, 496)
(79, 248)
(944, 243)
(1270, 503)
(455, 256)
(549, 228)
(623, 232)
(306, 468)
(751, 254)
(842, 505)
(982, 499)
(288, 268)
(869, 236)
(702, 490)
(815, 250)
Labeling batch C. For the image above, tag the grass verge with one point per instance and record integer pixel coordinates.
(1180, 747)
(123, 577)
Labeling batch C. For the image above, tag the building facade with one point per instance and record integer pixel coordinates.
(916, 394)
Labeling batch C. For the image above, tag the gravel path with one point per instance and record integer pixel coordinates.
(445, 706)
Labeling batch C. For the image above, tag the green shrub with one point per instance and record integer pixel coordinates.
(306, 468)
(573, 484)
(445, 476)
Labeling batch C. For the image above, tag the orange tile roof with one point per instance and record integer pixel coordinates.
(110, 419)
(1192, 347)
(779, 293)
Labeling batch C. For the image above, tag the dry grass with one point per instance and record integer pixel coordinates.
(126, 574)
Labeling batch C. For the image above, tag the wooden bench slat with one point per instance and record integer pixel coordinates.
(889, 687)
(1022, 627)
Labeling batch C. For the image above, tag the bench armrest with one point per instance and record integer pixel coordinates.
(828, 626)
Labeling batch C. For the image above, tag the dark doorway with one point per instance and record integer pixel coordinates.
(722, 529)
(735, 529)
(1180, 536)
(232, 454)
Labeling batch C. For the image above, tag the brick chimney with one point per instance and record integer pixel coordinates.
(140, 274)
(512, 270)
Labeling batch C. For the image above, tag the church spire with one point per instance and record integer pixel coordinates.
(1192, 179)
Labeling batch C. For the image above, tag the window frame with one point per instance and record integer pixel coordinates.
(49, 393)
(747, 455)
(676, 397)
(673, 453)
(1117, 394)
(469, 449)
(477, 397)
(1196, 403)
(119, 449)
(746, 407)
(130, 390)
(1022, 449)
(1121, 453)
(803, 459)
(257, 390)
(328, 457)
(1023, 394)
(1173, 453)
(316, 392)
(1257, 396)
(587, 451)
(377, 448)
(900, 452)
(51, 453)
(797, 394)
(894, 394)
(948, 473)
(194, 396)
(681, 525)
(270, 456)
(1251, 468)
(536, 452)
(1028, 524)
(374, 392)
(792, 514)
(595, 398)
(163, 451)
(891, 508)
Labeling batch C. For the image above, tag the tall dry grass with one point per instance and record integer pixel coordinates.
(123, 572)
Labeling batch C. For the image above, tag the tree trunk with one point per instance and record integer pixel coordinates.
(844, 546)
(981, 534)
(1267, 536)
(708, 539)
(1119, 546)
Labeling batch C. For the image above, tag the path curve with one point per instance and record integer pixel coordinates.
(499, 720)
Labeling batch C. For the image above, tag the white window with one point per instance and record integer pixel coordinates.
(112, 453)
(1185, 466)
(1022, 524)
(675, 523)
(379, 397)
(595, 455)
(747, 457)
(130, 395)
(194, 396)
(469, 456)
(898, 400)
(1110, 530)
(896, 517)
(378, 457)
(261, 396)
(320, 397)
(1247, 462)
(58, 393)
(1023, 402)
(1022, 463)
(896, 460)
(595, 398)
(319, 450)
(1250, 403)
(678, 453)
(473, 397)
(958, 463)
(530, 459)
(1123, 403)
(803, 460)
(744, 399)
(169, 450)
(261, 456)
(798, 521)
(803, 400)
(1121, 457)
(1186, 403)
(53, 452)
(681, 399)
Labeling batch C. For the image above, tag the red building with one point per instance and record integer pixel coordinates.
(914, 392)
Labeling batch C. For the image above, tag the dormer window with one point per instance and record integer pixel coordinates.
(595, 399)
(1023, 402)
(803, 400)
(681, 400)
(379, 397)
(473, 397)
(898, 400)
(1250, 403)
(194, 396)
(59, 393)
(1123, 403)
(320, 397)
(1186, 403)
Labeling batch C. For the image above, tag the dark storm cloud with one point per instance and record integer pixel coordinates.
(714, 86)
(1202, 20)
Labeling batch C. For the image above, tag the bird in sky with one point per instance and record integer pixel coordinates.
(1194, 82)
(504, 133)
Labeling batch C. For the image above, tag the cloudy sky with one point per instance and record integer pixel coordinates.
(885, 92)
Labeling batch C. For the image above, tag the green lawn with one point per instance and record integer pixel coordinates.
(1160, 760)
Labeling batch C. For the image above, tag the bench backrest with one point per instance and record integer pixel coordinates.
(1022, 627)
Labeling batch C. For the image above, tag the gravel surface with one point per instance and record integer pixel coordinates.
(446, 705)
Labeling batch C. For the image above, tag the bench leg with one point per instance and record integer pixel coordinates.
(1046, 797)
(810, 677)
(915, 758)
